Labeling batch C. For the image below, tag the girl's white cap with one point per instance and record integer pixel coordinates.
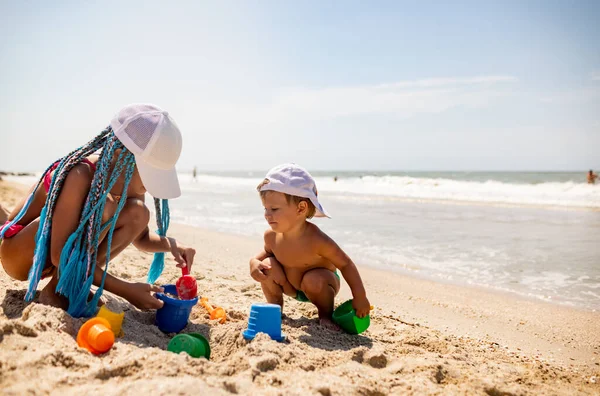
(293, 179)
(155, 140)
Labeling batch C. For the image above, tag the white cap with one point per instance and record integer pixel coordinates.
(155, 141)
(294, 180)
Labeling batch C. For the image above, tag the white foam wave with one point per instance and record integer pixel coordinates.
(551, 193)
(563, 194)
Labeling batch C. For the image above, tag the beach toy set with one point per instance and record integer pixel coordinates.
(193, 344)
(97, 335)
(345, 317)
(264, 318)
(187, 287)
(215, 313)
(175, 313)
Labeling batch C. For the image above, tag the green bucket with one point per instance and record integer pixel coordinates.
(346, 318)
(192, 343)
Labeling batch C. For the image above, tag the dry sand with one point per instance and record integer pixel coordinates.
(425, 338)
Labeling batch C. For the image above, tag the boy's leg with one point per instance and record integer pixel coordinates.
(276, 284)
(320, 286)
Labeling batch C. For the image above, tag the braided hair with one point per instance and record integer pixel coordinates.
(78, 257)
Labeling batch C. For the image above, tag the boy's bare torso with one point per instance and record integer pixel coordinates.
(297, 256)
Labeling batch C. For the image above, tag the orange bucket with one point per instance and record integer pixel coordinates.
(96, 336)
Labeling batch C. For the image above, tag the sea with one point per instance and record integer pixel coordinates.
(534, 234)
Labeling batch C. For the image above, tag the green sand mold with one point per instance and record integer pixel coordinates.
(193, 344)
(346, 318)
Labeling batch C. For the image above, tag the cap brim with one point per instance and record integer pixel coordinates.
(160, 183)
(320, 210)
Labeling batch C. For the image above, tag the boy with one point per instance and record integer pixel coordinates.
(298, 259)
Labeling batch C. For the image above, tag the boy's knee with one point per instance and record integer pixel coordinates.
(276, 273)
(136, 212)
(315, 282)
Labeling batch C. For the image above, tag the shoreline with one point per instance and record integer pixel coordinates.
(427, 302)
(426, 337)
(412, 274)
(13, 178)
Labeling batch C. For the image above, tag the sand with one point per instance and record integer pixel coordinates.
(425, 338)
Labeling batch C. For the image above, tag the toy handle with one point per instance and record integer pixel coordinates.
(185, 271)
(205, 304)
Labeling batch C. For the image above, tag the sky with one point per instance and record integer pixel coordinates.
(331, 85)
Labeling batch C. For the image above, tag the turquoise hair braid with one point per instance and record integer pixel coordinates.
(162, 221)
(43, 233)
(79, 256)
(87, 149)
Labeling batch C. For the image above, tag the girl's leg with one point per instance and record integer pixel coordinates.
(132, 221)
(16, 253)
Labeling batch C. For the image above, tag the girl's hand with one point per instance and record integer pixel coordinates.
(361, 306)
(184, 256)
(140, 295)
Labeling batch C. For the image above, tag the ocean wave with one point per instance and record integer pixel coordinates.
(567, 194)
(561, 194)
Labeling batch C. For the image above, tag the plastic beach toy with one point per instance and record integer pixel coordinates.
(96, 336)
(216, 312)
(193, 344)
(115, 319)
(174, 315)
(187, 288)
(346, 318)
(264, 318)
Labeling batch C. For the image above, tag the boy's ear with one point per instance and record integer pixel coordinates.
(302, 207)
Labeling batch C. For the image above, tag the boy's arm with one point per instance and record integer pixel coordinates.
(328, 249)
(256, 263)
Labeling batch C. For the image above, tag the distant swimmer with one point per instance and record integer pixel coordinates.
(335, 178)
(194, 173)
(591, 177)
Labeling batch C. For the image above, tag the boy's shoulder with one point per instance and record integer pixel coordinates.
(318, 237)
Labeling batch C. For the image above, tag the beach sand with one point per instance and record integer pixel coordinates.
(425, 338)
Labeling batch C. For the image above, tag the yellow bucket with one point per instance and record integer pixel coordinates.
(115, 320)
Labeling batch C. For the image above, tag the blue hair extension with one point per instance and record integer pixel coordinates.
(79, 255)
(42, 237)
(162, 220)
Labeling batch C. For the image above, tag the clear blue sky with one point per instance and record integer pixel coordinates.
(345, 85)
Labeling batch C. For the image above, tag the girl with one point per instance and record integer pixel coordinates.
(88, 207)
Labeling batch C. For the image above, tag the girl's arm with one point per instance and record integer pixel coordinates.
(137, 293)
(153, 243)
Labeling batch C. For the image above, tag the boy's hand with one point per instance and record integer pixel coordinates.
(140, 295)
(361, 306)
(257, 270)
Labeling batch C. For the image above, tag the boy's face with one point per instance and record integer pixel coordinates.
(280, 214)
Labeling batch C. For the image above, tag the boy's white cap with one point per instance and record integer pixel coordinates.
(154, 139)
(293, 179)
